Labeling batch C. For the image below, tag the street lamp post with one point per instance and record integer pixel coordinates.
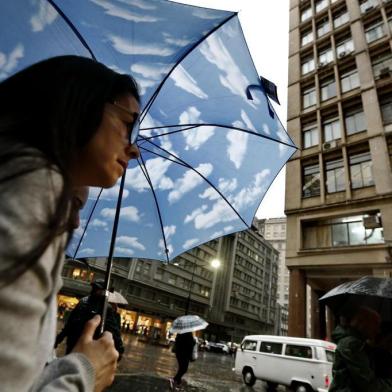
(215, 263)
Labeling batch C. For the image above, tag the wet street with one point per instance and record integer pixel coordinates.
(211, 372)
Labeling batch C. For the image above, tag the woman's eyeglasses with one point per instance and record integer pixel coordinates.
(133, 127)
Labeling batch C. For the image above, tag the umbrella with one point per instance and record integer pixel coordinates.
(188, 323)
(369, 291)
(210, 141)
(116, 298)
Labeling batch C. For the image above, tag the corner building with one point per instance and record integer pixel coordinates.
(339, 182)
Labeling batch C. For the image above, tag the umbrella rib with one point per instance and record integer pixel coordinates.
(191, 126)
(72, 27)
(162, 156)
(87, 223)
(203, 177)
(153, 97)
(143, 168)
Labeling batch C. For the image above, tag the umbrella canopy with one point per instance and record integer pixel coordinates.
(116, 298)
(188, 323)
(210, 141)
(369, 291)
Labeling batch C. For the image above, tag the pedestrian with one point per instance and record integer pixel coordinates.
(84, 311)
(352, 369)
(382, 351)
(65, 122)
(183, 348)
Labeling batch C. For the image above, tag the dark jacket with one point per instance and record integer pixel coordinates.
(184, 345)
(86, 309)
(352, 370)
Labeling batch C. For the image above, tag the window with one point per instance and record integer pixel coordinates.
(331, 129)
(249, 345)
(386, 109)
(355, 122)
(159, 274)
(382, 65)
(368, 5)
(271, 347)
(341, 231)
(345, 47)
(330, 355)
(298, 351)
(361, 170)
(325, 57)
(323, 28)
(310, 136)
(306, 14)
(328, 89)
(309, 97)
(340, 19)
(349, 80)
(334, 171)
(307, 65)
(321, 4)
(306, 37)
(311, 181)
(374, 32)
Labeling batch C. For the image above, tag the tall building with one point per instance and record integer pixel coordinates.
(237, 299)
(339, 182)
(274, 230)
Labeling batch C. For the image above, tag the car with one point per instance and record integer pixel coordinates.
(299, 363)
(219, 347)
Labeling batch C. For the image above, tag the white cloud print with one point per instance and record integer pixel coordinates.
(238, 145)
(123, 13)
(9, 62)
(107, 194)
(45, 16)
(98, 223)
(129, 242)
(225, 186)
(169, 232)
(221, 212)
(87, 251)
(142, 4)
(189, 181)
(184, 80)
(156, 167)
(125, 46)
(127, 213)
(153, 71)
(231, 77)
(190, 243)
(196, 137)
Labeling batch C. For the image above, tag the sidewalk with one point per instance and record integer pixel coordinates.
(148, 383)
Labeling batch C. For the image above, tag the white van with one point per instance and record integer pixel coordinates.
(305, 365)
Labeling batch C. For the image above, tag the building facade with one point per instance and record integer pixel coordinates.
(237, 299)
(274, 230)
(339, 182)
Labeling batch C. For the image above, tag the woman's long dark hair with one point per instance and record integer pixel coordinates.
(51, 110)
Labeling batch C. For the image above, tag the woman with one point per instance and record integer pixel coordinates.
(65, 122)
(183, 348)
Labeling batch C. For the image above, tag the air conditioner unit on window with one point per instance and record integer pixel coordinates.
(329, 145)
(371, 222)
(342, 54)
(369, 8)
(322, 64)
(384, 72)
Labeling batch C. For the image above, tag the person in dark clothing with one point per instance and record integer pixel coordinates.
(87, 308)
(382, 351)
(352, 369)
(183, 349)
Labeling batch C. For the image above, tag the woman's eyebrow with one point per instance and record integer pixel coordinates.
(135, 115)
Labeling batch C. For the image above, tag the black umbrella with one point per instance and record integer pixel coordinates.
(370, 291)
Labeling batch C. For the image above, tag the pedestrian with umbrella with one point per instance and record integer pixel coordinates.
(359, 305)
(185, 345)
(64, 123)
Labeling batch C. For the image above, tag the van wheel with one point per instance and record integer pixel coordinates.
(271, 386)
(302, 388)
(249, 377)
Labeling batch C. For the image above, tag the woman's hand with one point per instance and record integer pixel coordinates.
(101, 353)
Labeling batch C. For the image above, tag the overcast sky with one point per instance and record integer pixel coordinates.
(265, 24)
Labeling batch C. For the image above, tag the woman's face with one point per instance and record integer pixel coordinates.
(105, 158)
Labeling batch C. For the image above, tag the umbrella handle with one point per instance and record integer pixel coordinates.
(104, 306)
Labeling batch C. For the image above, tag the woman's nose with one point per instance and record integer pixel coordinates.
(133, 151)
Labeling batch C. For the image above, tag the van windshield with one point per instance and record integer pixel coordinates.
(330, 355)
